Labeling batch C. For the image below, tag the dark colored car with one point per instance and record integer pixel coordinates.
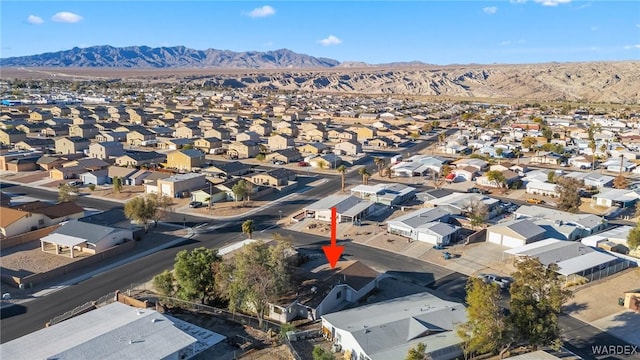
(195, 204)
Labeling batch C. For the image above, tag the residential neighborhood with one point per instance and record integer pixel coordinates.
(428, 195)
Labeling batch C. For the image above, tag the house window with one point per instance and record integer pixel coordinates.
(339, 294)
(277, 310)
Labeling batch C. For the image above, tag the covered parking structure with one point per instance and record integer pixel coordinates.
(576, 262)
(62, 241)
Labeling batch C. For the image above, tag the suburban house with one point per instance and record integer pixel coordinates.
(69, 172)
(185, 159)
(14, 222)
(186, 132)
(11, 136)
(276, 177)
(515, 233)
(326, 161)
(381, 142)
(556, 221)
(542, 188)
(85, 237)
(325, 290)
(97, 177)
(228, 169)
(248, 136)
(71, 145)
(227, 188)
(206, 145)
(279, 142)
(243, 149)
(386, 194)
(106, 150)
(177, 186)
(467, 173)
(316, 135)
(175, 143)
(313, 148)
(140, 158)
(622, 198)
(348, 208)
(55, 130)
(88, 131)
(50, 162)
(53, 213)
(388, 329)
(427, 224)
(220, 133)
(510, 178)
(121, 172)
(460, 203)
(285, 155)
(39, 144)
(546, 157)
(208, 194)
(350, 147)
(365, 133)
(592, 179)
(139, 135)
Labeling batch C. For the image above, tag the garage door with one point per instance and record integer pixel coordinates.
(166, 190)
(431, 239)
(495, 238)
(511, 242)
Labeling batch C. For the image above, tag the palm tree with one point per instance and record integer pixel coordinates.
(379, 162)
(592, 146)
(247, 228)
(365, 175)
(343, 171)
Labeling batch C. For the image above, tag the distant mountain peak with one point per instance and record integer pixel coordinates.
(169, 57)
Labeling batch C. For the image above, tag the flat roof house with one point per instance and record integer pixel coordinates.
(386, 194)
(516, 233)
(427, 224)
(85, 237)
(113, 332)
(348, 208)
(388, 329)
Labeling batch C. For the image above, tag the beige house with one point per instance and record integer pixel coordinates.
(178, 186)
(261, 129)
(351, 147)
(185, 159)
(136, 137)
(313, 148)
(314, 135)
(207, 144)
(40, 115)
(278, 142)
(243, 149)
(84, 120)
(285, 155)
(71, 145)
(88, 131)
(69, 172)
(248, 136)
(11, 136)
(106, 150)
(277, 177)
(185, 132)
(220, 133)
(365, 133)
(140, 158)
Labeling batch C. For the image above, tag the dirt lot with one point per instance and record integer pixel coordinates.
(600, 298)
(127, 192)
(263, 346)
(229, 208)
(28, 259)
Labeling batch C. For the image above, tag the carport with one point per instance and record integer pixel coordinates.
(63, 241)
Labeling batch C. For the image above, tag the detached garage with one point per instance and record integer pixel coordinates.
(515, 233)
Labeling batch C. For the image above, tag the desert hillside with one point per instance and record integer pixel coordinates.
(595, 82)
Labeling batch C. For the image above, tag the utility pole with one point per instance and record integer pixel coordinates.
(210, 195)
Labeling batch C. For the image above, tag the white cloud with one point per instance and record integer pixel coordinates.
(66, 17)
(552, 2)
(594, 28)
(517, 1)
(268, 43)
(263, 11)
(629, 47)
(330, 40)
(509, 42)
(490, 10)
(33, 19)
(638, 26)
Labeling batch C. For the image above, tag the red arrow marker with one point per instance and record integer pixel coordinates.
(333, 251)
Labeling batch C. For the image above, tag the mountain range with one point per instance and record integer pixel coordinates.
(169, 57)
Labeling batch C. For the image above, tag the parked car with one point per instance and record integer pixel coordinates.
(535, 201)
(303, 164)
(503, 283)
(195, 204)
(476, 190)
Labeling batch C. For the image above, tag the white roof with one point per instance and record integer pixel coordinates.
(64, 240)
(584, 262)
(115, 331)
(534, 245)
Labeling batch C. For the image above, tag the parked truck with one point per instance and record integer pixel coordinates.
(502, 282)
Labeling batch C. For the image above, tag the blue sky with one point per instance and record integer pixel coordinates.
(436, 32)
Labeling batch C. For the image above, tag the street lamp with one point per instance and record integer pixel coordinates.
(280, 212)
(184, 222)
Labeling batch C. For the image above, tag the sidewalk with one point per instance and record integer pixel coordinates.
(85, 276)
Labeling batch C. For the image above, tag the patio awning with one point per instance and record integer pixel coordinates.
(64, 240)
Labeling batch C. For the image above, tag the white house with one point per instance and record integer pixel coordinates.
(515, 233)
(388, 329)
(542, 188)
(348, 208)
(427, 224)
